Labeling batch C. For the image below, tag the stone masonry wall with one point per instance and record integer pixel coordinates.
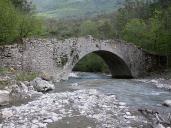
(57, 58)
(11, 56)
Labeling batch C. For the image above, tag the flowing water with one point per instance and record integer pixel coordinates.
(88, 100)
(133, 92)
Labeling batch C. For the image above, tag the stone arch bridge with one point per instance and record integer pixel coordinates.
(58, 58)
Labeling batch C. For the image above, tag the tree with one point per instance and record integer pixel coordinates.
(105, 29)
(15, 25)
(155, 29)
(29, 26)
(89, 28)
(121, 21)
(8, 22)
(135, 31)
(22, 5)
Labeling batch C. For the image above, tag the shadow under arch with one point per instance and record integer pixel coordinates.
(118, 68)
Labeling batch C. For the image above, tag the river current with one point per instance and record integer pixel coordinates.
(132, 91)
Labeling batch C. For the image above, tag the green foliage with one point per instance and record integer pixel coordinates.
(146, 23)
(105, 29)
(92, 63)
(61, 29)
(135, 31)
(26, 76)
(29, 26)
(3, 70)
(149, 28)
(16, 24)
(22, 5)
(88, 28)
(8, 22)
(99, 28)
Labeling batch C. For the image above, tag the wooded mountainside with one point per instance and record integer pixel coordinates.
(75, 9)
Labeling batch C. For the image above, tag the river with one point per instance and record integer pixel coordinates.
(131, 91)
(89, 100)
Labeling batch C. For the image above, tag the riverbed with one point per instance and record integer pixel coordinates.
(89, 100)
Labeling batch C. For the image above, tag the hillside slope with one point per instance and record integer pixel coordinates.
(73, 9)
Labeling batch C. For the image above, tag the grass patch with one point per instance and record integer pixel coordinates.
(26, 76)
(4, 70)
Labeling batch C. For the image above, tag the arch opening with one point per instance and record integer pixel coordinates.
(113, 63)
(92, 63)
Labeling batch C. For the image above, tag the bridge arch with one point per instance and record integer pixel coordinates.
(116, 65)
(58, 57)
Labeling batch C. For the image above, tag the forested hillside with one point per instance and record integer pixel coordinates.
(147, 24)
(75, 9)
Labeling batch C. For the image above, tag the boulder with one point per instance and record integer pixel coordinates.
(4, 97)
(23, 87)
(167, 103)
(15, 89)
(19, 88)
(18, 91)
(6, 113)
(46, 77)
(26, 83)
(42, 85)
(22, 92)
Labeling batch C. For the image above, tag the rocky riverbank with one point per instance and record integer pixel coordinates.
(158, 118)
(38, 109)
(105, 111)
(18, 91)
(159, 79)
